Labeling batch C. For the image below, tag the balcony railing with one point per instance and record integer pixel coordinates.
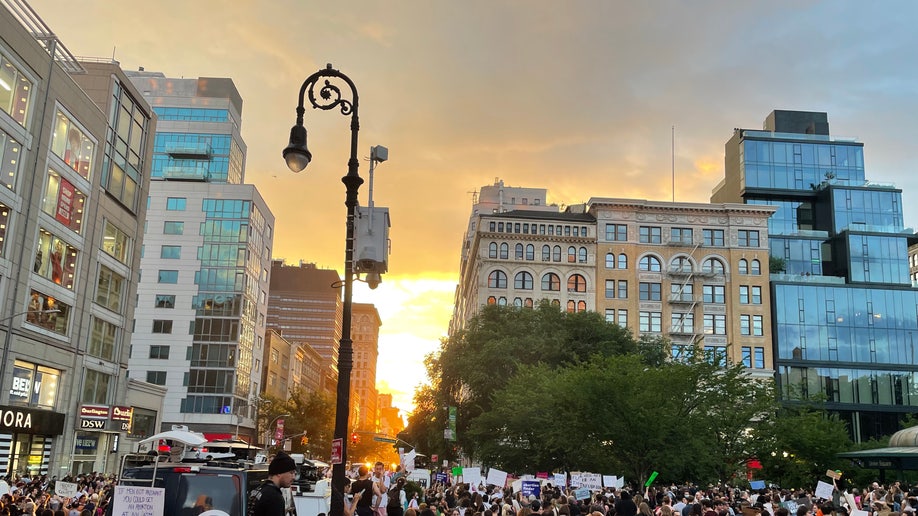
(186, 173)
(189, 150)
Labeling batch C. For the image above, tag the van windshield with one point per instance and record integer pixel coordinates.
(204, 492)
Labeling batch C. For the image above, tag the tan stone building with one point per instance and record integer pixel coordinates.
(695, 273)
(365, 334)
(277, 371)
(519, 257)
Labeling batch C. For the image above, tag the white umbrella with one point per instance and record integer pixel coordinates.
(182, 436)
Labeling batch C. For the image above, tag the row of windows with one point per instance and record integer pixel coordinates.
(680, 235)
(711, 294)
(684, 323)
(550, 281)
(526, 228)
(192, 114)
(572, 306)
(574, 255)
(683, 265)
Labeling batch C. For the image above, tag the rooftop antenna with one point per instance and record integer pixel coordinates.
(474, 196)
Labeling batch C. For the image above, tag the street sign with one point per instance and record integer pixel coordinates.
(384, 439)
(336, 451)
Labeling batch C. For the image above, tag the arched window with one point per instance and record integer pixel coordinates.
(582, 255)
(530, 252)
(681, 264)
(742, 267)
(576, 283)
(551, 282)
(522, 281)
(756, 269)
(518, 254)
(502, 301)
(556, 254)
(610, 259)
(571, 307)
(528, 302)
(518, 302)
(546, 253)
(492, 300)
(571, 254)
(649, 263)
(713, 265)
(581, 306)
(497, 279)
(504, 251)
(556, 303)
(492, 250)
(623, 261)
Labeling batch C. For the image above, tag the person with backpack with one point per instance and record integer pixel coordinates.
(396, 498)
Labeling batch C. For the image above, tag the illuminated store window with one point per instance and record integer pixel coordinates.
(47, 312)
(71, 144)
(55, 259)
(15, 91)
(34, 385)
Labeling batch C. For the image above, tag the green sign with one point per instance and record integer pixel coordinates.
(653, 476)
(384, 439)
(452, 423)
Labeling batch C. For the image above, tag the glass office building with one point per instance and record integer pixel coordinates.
(202, 299)
(844, 314)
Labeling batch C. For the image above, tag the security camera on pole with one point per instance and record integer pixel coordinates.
(371, 235)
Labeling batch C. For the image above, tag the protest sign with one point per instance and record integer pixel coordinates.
(824, 490)
(560, 479)
(138, 501)
(591, 481)
(517, 485)
(531, 488)
(653, 476)
(582, 494)
(757, 484)
(791, 506)
(497, 478)
(65, 489)
(608, 480)
(472, 476)
(575, 479)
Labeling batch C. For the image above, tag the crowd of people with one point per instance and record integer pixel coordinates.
(37, 496)
(390, 498)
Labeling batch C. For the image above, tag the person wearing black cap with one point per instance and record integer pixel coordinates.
(267, 499)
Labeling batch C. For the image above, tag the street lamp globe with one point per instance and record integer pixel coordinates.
(296, 154)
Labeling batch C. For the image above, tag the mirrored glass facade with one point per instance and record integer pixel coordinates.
(844, 315)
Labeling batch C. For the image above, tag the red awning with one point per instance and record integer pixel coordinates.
(217, 437)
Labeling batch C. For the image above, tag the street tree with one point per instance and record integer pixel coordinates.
(477, 362)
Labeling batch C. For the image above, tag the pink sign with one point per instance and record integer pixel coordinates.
(279, 430)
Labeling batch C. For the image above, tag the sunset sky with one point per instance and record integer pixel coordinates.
(579, 97)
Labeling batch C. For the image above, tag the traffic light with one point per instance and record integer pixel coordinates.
(304, 440)
(355, 438)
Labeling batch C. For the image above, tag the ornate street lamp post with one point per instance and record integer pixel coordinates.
(297, 157)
